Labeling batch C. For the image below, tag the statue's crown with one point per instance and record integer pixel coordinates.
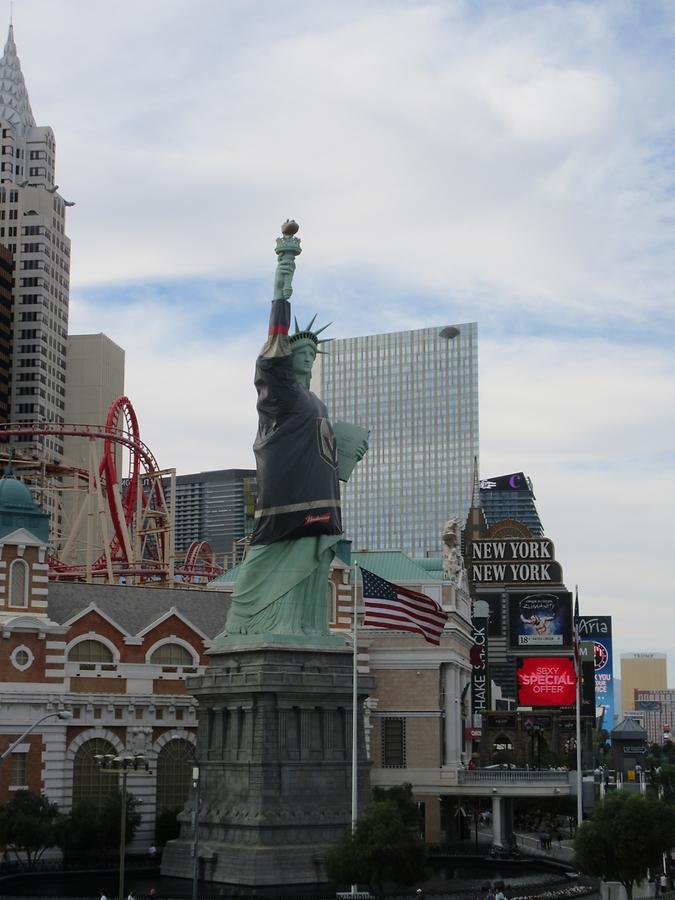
(306, 334)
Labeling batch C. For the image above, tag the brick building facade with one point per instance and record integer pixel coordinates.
(116, 657)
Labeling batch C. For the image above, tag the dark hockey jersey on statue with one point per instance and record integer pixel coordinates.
(298, 491)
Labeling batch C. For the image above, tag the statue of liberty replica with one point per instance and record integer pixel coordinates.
(275, 703)
(282, 587)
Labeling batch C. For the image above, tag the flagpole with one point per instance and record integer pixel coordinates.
(355, 720)
(577, 665)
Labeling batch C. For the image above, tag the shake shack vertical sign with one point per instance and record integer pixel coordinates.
(514, 561)
(479, 670)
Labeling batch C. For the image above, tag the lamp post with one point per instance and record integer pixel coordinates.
(534, 730)
(123, 766)
(64, 714)
(195, 833)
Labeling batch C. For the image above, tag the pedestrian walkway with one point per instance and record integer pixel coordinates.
(529, 843)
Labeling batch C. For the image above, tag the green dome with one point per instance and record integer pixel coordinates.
(18, 509)
(14, 494)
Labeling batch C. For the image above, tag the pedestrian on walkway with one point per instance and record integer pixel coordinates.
(663, 882)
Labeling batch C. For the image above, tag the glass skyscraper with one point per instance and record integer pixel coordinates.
(417, 392)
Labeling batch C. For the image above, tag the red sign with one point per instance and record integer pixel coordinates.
(473, 733)
(546, 681)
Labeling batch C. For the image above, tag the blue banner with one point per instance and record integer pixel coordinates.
(599, 630)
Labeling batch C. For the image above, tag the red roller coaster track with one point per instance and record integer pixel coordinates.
(140, 495)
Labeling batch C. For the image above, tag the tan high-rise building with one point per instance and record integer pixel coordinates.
(641, 671)
(95, 379)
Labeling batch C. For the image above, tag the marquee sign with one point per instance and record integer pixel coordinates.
(546, 681)
(514, 561)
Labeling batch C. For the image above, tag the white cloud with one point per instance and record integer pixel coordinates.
(508, 163)
(423, 142)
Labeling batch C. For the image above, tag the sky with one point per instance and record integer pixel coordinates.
(507, 163)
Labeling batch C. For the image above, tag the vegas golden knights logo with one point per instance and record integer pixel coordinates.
(326, 438)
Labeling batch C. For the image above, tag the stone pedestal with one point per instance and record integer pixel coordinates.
(274, 749)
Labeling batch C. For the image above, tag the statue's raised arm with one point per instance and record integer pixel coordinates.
(288, 247)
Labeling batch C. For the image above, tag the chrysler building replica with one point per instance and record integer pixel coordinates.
(32, 227)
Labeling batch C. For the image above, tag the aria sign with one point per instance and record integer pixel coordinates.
(514, 562)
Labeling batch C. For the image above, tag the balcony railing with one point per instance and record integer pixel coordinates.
(512, 776)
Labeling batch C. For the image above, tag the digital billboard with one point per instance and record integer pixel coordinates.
(546, 681)
(540, 620)
(599, 630)
(516, 481)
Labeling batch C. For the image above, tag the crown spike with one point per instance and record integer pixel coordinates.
(297, 327)
(306, 334)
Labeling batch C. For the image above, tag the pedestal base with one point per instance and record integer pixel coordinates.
(275, 766)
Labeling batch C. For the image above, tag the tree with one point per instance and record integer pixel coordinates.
(29, 825)
(626, 836)
(167, 826)
(110, 819)
(90, 825)
(386, 846)
(663, 779)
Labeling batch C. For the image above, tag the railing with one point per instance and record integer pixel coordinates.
(512, 776)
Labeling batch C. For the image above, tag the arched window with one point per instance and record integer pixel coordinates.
(89, 651)
(172, 655)
(18, 583)
(90, 785)
(174, 774)
(502, 749)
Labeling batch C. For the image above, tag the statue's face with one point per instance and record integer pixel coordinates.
(304, 355)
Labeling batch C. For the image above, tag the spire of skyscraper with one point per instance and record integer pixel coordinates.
(14, 102)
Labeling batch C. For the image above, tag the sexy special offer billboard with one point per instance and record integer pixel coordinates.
(546, 681)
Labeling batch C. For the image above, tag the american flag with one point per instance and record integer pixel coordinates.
(392, 606)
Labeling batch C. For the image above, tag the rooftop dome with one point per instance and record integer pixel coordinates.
(15, 495)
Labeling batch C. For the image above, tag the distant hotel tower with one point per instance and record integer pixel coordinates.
(510, 497)
(216, 507)
(417, 392)
(32, 222)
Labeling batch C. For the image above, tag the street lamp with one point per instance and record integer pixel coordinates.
(64, 714)
(535, 730)
(195, 833)
(122, 765)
